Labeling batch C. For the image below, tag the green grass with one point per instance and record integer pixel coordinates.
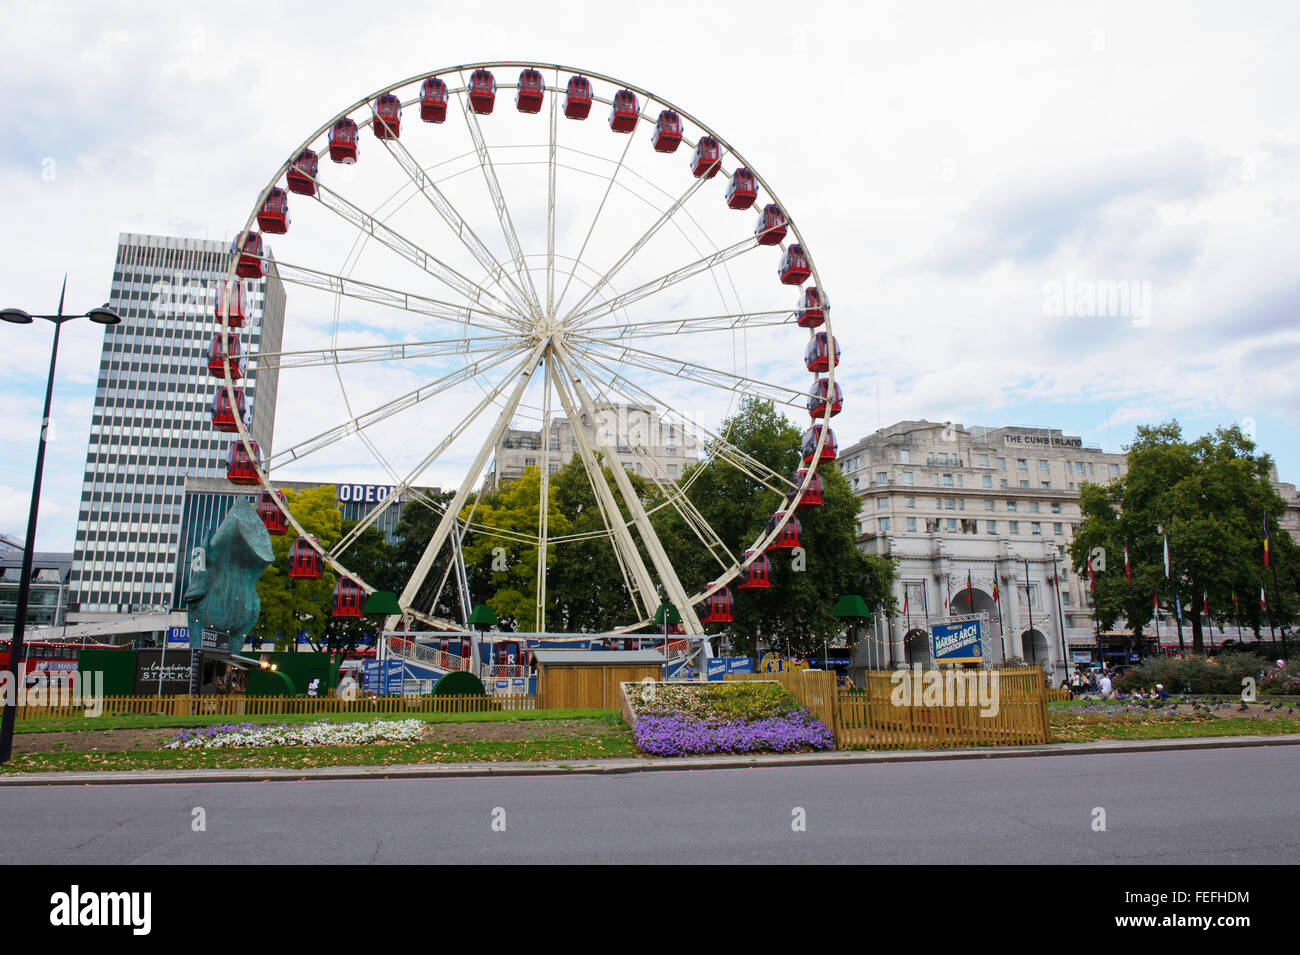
(1121, 722)
(74, 724)
(551, 747)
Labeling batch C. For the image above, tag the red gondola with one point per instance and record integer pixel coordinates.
(813, 496)
(707, 159)
(507, 653)
(816, 354)
(223, 354)
(788, 538)
(273, 217)
(794, 268)
(668, 132)
(304, 560)
(224, 416)
(302, 174)
(387, 122)
(812, 309)
(618, 643)
(248, 247)
(757, 574)
(625, 112)
(808, 444)
(577, 98)
(348, 598)
(718, 608)
(770, 229)
(528, 96)
(241, 467)
(343, 142)
(742, 190)
(482, 91)
(232, 295)
(271, 511)
(456, 647)
(433, 100)
(822, 405)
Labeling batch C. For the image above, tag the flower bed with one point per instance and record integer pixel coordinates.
(743, 717)
(323, 733)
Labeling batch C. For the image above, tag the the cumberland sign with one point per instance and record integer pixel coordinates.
(1041, 437)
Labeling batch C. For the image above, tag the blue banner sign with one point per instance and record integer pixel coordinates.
(956, 642)
(719, 666)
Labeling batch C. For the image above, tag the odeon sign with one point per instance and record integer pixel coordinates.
(364, 493)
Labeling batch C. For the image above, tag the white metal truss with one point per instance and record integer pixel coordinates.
(398, 351)
(672, 327)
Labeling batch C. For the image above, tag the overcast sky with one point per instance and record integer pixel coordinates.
(956, 169)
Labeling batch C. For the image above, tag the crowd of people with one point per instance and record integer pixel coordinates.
(1100, 684)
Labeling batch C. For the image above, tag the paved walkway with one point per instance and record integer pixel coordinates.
(637, 765)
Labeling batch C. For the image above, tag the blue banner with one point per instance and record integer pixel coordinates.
(956, 642)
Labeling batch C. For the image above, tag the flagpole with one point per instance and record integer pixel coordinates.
(997, 600)
(1155, 600)
(1060, 616)
(1029, 604)
(1173, 591)
(1277, 594)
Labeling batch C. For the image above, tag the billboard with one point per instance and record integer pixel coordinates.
(957, 641)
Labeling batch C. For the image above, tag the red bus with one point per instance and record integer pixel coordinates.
(51, 662)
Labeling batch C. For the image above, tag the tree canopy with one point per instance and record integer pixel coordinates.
(291, 606)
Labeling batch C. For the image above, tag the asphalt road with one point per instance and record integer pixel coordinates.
(1208, 806)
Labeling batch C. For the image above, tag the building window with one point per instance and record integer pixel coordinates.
(990, 527)
(1022, 464)
(949, 503)
(1114, 470)
(1011, 507)
(943, 457)
(1056, 507)
(907, 478)
(1013, 527)
(884, 525)
(904, 457)
(1036, 529)
(882, 503)
(1042, 466)
(909, 502)
(987, 480)
(988, 505)
(1033, 507)
(1002, 464)
(882, 477)
(952, 524)
(1024, 484)
(1058, 529)
(911, 523)
(947, 480)
(984, 460)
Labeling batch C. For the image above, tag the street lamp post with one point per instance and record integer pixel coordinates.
(103, 316)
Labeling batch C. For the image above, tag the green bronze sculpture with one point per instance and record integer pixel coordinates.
(222, 593)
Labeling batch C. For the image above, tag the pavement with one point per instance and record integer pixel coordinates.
(633, 765)
(1206, 802)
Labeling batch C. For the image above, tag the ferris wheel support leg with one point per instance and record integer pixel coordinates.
(622, 537)
(658, 556)
(448, 519)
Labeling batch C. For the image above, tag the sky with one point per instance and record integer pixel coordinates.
(973, 182)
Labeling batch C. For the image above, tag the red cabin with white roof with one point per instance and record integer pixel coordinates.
(771, 225)
(813, 496)
(224, 352)
(348, 598)
(824, 401)
(808, 444)
(577, 98)
(816, 354)
(248, 247)
(530, 92)
(273, 217)
(718, 607)
(304, 560)
(241, 467)
(232, 298)
(302, 174)
(387, 122)
(271, 511)
(625, 112)
(788, 537)
(433, 100)
(224, 414)
(742, 190)
(794, 268)
(482, 91)
(757, 576)
(668, 132)
(343, 141)
(812, 307)
(707, 158)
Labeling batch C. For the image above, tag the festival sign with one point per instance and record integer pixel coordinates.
(957, 640)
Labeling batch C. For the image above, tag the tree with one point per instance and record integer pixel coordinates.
(1210, 497)
(374, 560)
(291, 606)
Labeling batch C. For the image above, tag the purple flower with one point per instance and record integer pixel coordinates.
(677, 735)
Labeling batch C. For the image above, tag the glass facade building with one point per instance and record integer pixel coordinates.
(151, 425)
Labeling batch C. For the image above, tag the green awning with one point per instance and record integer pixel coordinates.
(850, 606)
(674, 617)
(483, 615)
(381, 602)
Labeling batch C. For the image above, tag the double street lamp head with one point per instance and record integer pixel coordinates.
(102, 315)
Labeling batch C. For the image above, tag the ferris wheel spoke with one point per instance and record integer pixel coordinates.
(496, 272)
(640, 586)
(609, 188)
(657, 285)
(543, 493)
(737, 321)
(409, 250)
(398, 351)
(741, 460)
(502, 210)
(690, 371)
(386, 410)
(658, 556)
(550, 200)
(638, 245)
(422, 567)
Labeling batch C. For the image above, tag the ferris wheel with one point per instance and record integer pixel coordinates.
(465, 264)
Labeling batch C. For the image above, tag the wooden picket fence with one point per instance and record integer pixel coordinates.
(1058, 695)
(237, 705)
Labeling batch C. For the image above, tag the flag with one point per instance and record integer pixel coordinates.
(1265, 540)
(1166, 556)
(1236, 611)
(1155, 602)
(1262, 602)
(1092, 586)
(1127, 573)
(995, 590)
(904, 601)
(970, 593)
(1205, 602)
